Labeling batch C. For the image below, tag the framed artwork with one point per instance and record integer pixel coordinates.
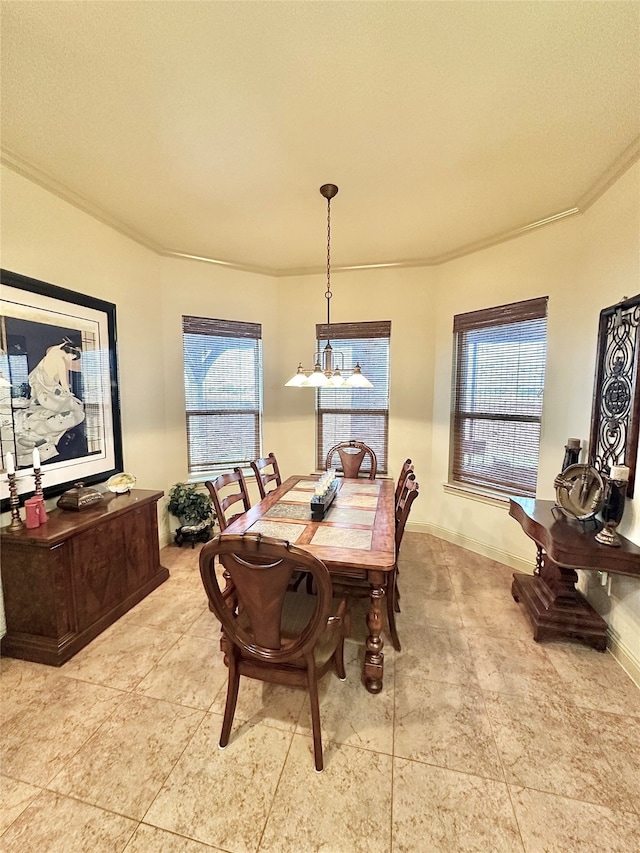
(59, 391)
(616, 395)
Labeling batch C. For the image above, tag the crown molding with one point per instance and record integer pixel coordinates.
(615, 171)
(167, 253)
(47, 182)
(608, 178)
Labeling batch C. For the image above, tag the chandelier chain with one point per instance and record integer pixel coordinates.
(329, 366)
(328, 294)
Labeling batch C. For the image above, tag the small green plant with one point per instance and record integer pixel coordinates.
(189, 505)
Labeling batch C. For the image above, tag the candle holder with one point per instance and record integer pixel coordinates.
(14, 504)
(571, 453)
(612, 512)
(37, 476)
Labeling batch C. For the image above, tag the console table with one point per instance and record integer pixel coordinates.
(551, 600)
(69, 579)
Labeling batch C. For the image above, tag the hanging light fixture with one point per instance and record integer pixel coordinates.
(329, 369)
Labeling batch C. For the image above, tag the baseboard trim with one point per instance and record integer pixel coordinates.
(518, 563)
(625, 658)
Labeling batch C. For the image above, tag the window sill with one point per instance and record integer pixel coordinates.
(476, 494)
(201, 479)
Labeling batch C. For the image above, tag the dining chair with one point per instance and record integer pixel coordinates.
(407, 473)
(222, 503)
(266, 471)
(356, 587)
(407, 468)
(273, 634)
(352, 455)
(409, 494)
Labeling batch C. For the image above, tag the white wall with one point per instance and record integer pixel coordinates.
(583, 264)
(403, 296)
(204, 290)
(45, 238)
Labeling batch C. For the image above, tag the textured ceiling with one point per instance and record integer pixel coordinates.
(206, 128)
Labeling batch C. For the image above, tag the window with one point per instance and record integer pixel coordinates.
(499, 364)
(223, 392)
(356, 413)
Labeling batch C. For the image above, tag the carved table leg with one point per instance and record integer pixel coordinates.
(374, 658)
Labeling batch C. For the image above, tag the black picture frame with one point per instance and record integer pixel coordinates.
(615, 413)
(74, 421)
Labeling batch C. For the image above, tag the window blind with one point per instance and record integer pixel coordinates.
(223, 393)
(497, 395)
(343, 414)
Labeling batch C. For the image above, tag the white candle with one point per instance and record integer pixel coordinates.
(9, 464)
(36, 458)
(620, 473)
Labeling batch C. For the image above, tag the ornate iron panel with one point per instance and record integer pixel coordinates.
(616, 394)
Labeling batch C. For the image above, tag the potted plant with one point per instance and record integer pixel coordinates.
(194, 511)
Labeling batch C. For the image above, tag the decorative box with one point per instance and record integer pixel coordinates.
(79, 498)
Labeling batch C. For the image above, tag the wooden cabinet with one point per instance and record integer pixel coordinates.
(67, 580)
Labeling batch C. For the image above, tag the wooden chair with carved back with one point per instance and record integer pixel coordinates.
(223, 502)
(407, 468)
(353, 456)
(409, 493)
(406, 471)
(266, 471)
(354, 587)
(273, 634)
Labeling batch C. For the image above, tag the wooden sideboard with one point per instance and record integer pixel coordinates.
(553, 604)
(67, 580)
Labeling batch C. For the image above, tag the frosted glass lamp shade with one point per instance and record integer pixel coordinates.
(357, 379)
(298, 379)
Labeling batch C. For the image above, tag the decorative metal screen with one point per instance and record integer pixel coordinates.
(616, 396)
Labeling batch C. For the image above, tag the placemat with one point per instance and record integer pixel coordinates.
(298, 497)
(338, 537)
(306, 484)
(350, 515)
(277, 529)
(356, 500)
(290, 511)
(363, 488)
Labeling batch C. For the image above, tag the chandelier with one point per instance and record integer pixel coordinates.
(329, 367)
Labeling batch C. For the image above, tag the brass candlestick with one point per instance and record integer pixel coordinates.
(14, 503)
(37, 476)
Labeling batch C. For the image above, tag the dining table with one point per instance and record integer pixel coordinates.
(355, 538)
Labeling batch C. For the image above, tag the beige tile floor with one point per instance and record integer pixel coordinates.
(481, 740)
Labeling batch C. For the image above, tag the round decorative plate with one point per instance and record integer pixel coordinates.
(579, 491)
(121, 483)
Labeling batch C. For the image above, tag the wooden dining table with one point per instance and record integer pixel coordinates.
(355, 538)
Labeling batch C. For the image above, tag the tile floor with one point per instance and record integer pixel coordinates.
(481, 740)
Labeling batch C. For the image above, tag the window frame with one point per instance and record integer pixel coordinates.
(532, 311)
(335, 332)
(236, 330)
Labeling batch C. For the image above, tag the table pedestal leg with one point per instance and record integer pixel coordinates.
(556, 608)
(373, 657)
